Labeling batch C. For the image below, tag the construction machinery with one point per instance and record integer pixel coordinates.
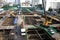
(29, 23)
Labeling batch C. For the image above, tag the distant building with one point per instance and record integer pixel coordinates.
(54, 4)
(27, 0)
(35, 2)
(25, 4)
(1, 3)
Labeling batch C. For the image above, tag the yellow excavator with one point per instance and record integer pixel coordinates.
(48, 22)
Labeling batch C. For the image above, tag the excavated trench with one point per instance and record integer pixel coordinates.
(38, 34)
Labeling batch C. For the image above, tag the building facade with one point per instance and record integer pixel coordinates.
(54, 4)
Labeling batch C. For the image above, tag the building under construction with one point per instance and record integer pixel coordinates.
(29, 20)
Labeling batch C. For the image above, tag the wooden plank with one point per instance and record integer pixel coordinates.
(55, 25)
(1, 36)
(53, 17)
(6, 27)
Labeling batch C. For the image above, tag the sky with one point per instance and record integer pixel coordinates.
(21, 1)
(10, 0)
(31, 0)
(14, 0)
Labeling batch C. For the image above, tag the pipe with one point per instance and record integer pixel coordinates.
(29, 10)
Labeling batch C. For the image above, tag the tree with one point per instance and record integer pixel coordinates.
(50, 9)
(59, 10)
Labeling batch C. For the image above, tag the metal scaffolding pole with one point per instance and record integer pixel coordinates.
(19, 7)
(44, 2)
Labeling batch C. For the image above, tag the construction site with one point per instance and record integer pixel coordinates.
(29, 19)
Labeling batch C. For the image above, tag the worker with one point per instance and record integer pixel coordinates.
(19, 25)
(54, 12)
(16, 32)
